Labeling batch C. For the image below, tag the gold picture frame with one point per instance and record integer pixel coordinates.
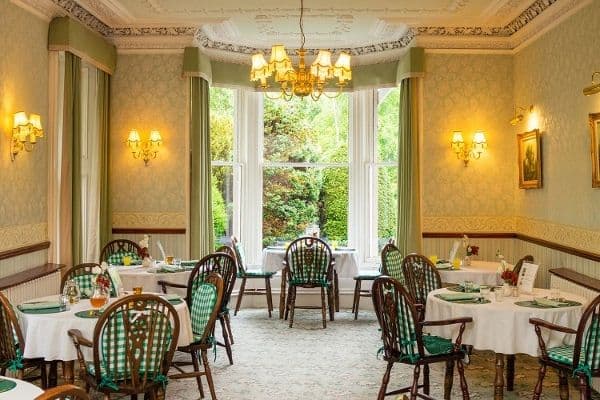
(530, 159)
(595, 145)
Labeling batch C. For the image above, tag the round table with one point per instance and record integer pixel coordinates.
(46, 335)
(479, 272)
(23, 390)
(346, 261)
(138, 276)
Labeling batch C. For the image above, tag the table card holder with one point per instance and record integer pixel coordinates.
(162, 250)
(115, 278)
(527, 277)
(453, 251)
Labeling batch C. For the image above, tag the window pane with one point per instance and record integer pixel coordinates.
(222, 113)
(388, 114)
(222, 202)
(296, 198)
(305, 130)
(387, 204)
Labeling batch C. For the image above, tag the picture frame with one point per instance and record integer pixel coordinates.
(530, 159)
(595, 148)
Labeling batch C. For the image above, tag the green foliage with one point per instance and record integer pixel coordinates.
(219, 211)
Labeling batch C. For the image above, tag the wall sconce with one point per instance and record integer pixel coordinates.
(146, 150)
(519, 117)
(25, 133)
(594, 87)
(466, 152)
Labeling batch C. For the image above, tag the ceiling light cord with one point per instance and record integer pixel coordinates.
(303, 38)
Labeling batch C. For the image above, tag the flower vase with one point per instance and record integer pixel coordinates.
(147, 262)
(467, 261)
(507, 289)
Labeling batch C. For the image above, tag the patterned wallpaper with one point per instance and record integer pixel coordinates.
(468, 92)
(23, 87)
(550, 74)
(148, 92)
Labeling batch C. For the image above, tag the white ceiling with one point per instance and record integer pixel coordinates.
(374, 30)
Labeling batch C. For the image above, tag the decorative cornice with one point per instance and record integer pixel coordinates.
(148, 220)
(12, 237)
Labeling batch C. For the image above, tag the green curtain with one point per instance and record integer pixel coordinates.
(104, 159)
(72, 158)
(409, 210)
(201, 223)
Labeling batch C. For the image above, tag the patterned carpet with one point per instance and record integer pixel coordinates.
(273, 361)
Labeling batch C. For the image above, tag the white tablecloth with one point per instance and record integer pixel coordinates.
(136, 276)
(346, 261)
(480, 272)
(503, 326)
(46, 334)
(23, 391)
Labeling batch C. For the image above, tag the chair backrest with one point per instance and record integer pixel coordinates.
(204, 304)
(391, 262)
(309, 260)
(134, 342)
(397, 314)
(519, 264)
(586, 356)
(114, 251)
(230, 251)
(239, 255)
(83, 275)
(221, 263)
(11, 337)
(420, 277)
(64, 392)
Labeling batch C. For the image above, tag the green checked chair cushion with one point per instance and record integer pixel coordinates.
(86, 287)
(436, 345)
(392, 264)
(255, 274)
(239, 254)
(590, 350)
(563, 354)
(308, 266)
(204, 298)
(367, 275)
(117, 258)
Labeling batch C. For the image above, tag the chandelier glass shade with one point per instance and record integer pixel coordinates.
(303, 80)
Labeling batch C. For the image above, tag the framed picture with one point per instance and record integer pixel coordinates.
(595, 132)
(530, 160)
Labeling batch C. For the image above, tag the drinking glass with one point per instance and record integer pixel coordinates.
(138, 290)
(177, 262)
(468, 285)
(127, 260)
(434, 259)
(498, 294)
(98, 298)
(169, 260)
(485, 292)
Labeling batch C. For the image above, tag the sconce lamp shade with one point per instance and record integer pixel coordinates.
(20, 119)
(146, 150)
(35, 121)
(466, 152)
(25, 132)
(134, 137)
(155, 137)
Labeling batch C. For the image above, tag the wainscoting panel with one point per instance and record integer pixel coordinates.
(23, 262)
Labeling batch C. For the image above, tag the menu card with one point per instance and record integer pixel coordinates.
(453, 251)
(113, 272)
(527, 277)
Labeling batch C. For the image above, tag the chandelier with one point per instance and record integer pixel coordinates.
(302, 80)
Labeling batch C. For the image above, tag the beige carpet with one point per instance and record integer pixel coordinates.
(273, 361)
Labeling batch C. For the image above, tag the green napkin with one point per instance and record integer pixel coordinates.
(547, 302)
(189, 263)
(41, 305)
(458, 296)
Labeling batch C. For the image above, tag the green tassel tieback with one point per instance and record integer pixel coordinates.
(107, 382)
(17, 363)
(161, 379)
(583, 369)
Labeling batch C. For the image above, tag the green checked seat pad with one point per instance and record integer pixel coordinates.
(204, 299)
(255, 274)
(117, 258)
(308, 266)
(242, 271)
(589, 358)
(391, 261)
(116, 339)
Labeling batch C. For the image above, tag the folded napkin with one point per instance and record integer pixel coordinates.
(189, 263)
(458, 296)
(169, 268)
(41, 305)
(474, 287)
(443, 265)
(171, 296)
(542, 301)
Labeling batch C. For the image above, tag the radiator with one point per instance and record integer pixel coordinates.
(43, 286)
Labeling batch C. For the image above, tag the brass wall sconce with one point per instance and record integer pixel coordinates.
(147, 149)
(519, 115)
(25, 133)
(466, 152)
(594, 87)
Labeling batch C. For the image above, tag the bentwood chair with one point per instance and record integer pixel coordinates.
(245, 273)
(83, 275)
(132, 347)
(12, 346)
(580, 360)
(391, 262)
(519, 264)
(114, 251)
(64, 392)
(420, 277)
(204, 298)
(309, 264)
(224, 265)
(401, 323)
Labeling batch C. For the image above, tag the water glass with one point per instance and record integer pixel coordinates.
(63, 300)
(468, 285)
(177, 262)
(485, 292)
(498, 294)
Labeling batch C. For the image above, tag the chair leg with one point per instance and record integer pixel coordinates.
(563, 384)
(510, 372)
(336, 292)
(426, 379)
(288, 301)
(463, 381)
(323, 308)
(331, 303)
(229, 331)
(356, 299)
(282, 302)
(240, 295)
(292, 304)
(44, 375)
(269, 296)
(385, 381)
(226, 339)
(196, 365)
(584, 388)
(537, 392)
(211, 385)
(415, 384)
(448, 379)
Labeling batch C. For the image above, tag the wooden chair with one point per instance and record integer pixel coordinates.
(391, 262)
(12, 346)
(581, 360)
(420, 277)
(114, 251)
(64, 392)
(83, 274)
(309, 264)
(133, 345)
(519, 264)
(204, 302)
(225, 265)
(244, 274)
(402, 325)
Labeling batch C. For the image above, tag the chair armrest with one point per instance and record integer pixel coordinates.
(78, 341)
(164, 284)
(551, 326)
(451, 321)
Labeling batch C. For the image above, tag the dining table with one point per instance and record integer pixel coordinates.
(17, 389)
(503, 326)
(479, 272)
(148, 277)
